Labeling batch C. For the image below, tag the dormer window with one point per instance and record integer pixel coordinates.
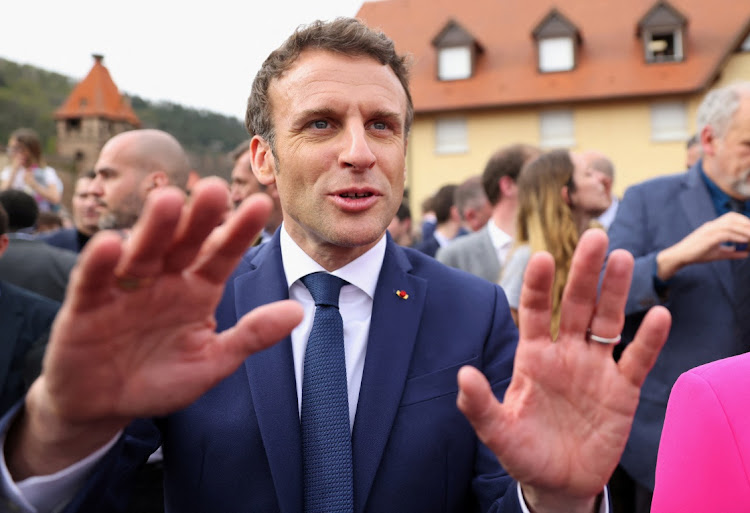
(662, 32)
(454, 63)
(557, 39)
(457, 52)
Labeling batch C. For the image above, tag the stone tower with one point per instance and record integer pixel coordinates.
(94, 112)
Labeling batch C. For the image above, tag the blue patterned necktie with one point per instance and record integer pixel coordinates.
(326, 438)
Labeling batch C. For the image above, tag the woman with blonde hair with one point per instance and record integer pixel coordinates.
(27, 171)
(559, 196)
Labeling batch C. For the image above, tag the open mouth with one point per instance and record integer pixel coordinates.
(355, 195)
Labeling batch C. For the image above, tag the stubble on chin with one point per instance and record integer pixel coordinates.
(742, 184)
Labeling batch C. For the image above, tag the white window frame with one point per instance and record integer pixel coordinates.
(455, 63)
(557, 128)
(451, 135)
(677, 39)
(556, 54)
(669, 121)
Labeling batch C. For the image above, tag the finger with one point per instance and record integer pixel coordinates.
(477, 402)
(641, 353)
(257, 330)
(535, 306)
(92, 279)
(226, 244)
(152, 234)
(579, 295)
(207, 208)
(609, 315)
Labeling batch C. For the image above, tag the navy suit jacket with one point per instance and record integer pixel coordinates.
(653, 216)
(65, 238)
(238, 447)
(25, 320)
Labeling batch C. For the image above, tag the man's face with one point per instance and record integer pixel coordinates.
(244, 182)
(592, 188)
(85, 207)
(118, 187)
(340, 152)
(730, 157)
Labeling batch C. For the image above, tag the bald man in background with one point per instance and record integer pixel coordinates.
(600, 163)
(130, 166)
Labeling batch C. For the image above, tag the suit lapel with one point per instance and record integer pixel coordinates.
(393, 331)
(271, 377)
(699, 209)
(11, 323)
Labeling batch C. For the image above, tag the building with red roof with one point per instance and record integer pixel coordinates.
(93, 113)
(624, 78)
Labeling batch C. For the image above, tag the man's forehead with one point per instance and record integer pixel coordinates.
(317, 65)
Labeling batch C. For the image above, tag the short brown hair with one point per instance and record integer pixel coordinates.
(346, 36)
(507, 161)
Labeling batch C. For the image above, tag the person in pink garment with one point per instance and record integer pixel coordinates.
(704, 454)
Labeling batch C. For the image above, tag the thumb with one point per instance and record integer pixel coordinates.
(480, 406)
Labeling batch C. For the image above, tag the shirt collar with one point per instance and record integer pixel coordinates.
(719, 198)
(499, 238)
(361, 272)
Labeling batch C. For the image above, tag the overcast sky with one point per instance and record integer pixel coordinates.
(198, 54)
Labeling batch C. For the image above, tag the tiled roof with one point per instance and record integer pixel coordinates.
(97, 96)
(610, 60)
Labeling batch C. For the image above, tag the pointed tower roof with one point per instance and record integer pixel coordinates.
(97, 96)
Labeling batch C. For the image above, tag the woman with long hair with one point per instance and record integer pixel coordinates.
(559, 196)
(28, 172)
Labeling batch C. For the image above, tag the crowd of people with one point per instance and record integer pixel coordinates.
(265, 345)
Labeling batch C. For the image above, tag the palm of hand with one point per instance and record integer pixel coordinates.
(567, 413)
(568, 417)
(120, 352)
(143, 355)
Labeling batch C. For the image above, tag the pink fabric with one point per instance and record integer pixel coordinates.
(704, 454)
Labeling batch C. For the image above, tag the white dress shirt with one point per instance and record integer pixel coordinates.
(355, 305)
(501, 241)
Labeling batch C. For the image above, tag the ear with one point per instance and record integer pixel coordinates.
(155, 180)
(565, 194)
(455, 215)
(3, 243)
(708, 140)
(264, 163)
(508, 187)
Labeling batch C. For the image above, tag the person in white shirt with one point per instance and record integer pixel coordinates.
(28, 173)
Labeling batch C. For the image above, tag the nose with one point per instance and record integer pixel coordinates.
(96, 188)
(356, 153)
(234, 193)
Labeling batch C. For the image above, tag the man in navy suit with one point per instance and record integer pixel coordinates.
(25, 319)
(85, 212)
(688, 233)
(331, 112)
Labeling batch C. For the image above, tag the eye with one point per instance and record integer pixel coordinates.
(320, 124)
(380, 125)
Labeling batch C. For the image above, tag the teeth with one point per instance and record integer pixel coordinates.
(356, 195)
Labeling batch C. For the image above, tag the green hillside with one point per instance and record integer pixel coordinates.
(30, 95)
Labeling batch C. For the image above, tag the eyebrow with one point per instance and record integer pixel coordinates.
(325, 112)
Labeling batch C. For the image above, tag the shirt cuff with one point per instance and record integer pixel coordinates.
(603, 507)
(47, 494)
